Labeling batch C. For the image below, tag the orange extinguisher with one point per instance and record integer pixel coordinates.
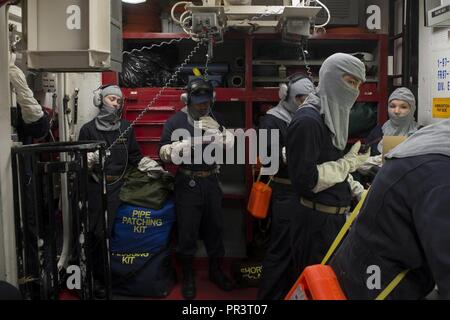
(259, 200)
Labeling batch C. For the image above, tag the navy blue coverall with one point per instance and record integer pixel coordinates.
(310, 144)
(404, 224)
(198, 200)
(125, 153)
(279, 272)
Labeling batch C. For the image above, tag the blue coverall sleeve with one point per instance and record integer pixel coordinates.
(167, 134)
(268, 124)
(432, 222)
(84, 134)
(304, 141)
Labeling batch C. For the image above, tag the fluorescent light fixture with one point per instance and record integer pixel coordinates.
(134, 1)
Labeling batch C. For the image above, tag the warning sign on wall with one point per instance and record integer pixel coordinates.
(441, 108)
(440, 89)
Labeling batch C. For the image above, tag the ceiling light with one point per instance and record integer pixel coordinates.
(134, 1)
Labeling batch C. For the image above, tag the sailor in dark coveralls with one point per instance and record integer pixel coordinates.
(107, 126)
(318, 167)
(404, 223)
(198, 196)
(278, 266)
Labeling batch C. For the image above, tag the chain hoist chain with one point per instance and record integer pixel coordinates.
(157, 45)
(158, 95)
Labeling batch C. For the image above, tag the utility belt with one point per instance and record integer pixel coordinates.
(200, 174)
(284, 181)
(110, 179)
(323, 208)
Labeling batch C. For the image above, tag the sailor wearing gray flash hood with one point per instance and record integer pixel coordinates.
(291, 98)
(401, 109)
(318, 168)
(107, 126)
(108, 118)
(401, 122)
(404, 224)
(278, 264)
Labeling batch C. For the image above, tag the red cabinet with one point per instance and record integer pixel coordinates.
(254, 95)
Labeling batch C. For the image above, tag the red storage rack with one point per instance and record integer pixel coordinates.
(148, 129)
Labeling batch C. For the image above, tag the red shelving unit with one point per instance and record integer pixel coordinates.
(150, 126)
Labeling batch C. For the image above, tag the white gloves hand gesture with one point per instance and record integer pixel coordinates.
(207, 123)
(354, 158)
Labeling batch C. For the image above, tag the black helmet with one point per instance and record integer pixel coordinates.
(199, 89)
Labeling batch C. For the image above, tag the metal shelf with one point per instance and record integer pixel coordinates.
(316, 79)
(299, 63)
(153, 35)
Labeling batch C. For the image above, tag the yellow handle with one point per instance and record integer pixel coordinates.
(196, 72)
(391, 286)
(394, 283)
(345, 228)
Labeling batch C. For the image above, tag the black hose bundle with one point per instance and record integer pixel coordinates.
(144, 69)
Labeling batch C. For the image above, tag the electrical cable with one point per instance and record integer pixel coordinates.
(328, 14)
(172, 12)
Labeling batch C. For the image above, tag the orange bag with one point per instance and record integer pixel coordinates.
(259, 200)
(317, 282)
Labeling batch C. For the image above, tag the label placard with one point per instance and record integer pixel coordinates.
(441, 108)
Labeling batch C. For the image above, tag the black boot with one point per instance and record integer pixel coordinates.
(188, 285)
(99, 290)
(217, 276)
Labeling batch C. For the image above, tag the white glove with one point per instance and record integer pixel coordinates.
(284, 155)
(92, 159)
(147, 164)
(216, 136)
(168, 151)
(31, 109)
(356, 187)
(375, 161)
(151, 167)
(333, 172)
(354, 158)
(207, 123)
